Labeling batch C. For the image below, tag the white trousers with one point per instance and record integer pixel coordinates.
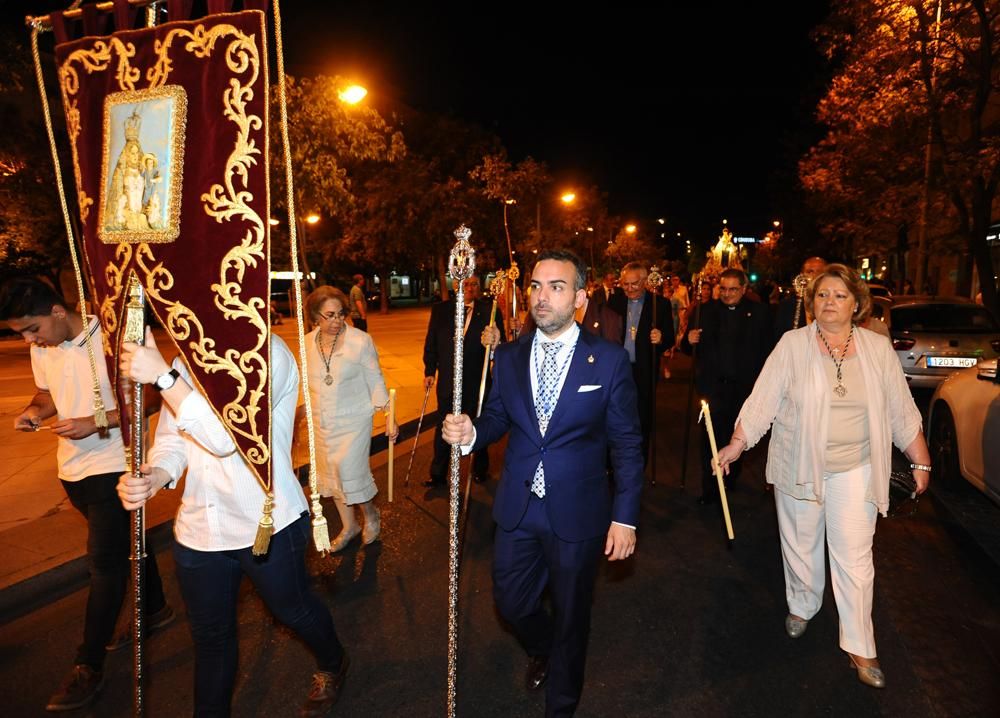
(847, 522)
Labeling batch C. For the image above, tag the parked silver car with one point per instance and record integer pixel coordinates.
(935, 336)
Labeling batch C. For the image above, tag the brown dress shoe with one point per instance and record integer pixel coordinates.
(325, 691)
(538, 671)
(79, 688)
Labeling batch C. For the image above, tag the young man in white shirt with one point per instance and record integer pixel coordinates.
(89, 464)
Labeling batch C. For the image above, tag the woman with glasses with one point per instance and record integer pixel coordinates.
(837, 399)
(346, 388)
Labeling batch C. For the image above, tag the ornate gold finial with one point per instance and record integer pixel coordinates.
(654, 279)
(462, 261)
(132, 123)
(498, 287)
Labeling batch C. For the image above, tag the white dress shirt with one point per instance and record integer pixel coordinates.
(223, 501)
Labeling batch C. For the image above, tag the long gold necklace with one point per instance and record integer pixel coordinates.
(328, 380)
(840, 390)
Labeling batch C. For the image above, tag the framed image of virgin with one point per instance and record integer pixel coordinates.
(142, 163)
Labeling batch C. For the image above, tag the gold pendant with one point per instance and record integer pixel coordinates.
(840, 390)
(632, 331)
(328, 380)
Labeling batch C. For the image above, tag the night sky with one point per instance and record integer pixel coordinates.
(693, 113)
(689, 113)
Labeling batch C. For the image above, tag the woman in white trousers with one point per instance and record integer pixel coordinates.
(836, 398)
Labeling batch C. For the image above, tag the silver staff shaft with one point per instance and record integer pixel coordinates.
(134, 331)
(461, 265)
(416, 437)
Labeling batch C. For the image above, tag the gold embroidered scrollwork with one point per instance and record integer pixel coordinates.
(226, 201)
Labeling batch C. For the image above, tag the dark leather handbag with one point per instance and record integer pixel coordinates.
(903, 496)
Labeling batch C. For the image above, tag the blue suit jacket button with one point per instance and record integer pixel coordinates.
(527, 483)
(543, 450)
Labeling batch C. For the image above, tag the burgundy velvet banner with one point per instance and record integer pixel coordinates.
(168, 129)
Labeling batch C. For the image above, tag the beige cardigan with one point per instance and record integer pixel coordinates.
(793, 393)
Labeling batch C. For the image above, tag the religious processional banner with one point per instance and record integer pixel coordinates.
(168, 131)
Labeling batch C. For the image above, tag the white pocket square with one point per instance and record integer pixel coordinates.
(588, 387)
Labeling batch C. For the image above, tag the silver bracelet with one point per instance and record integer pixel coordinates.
(921, 467)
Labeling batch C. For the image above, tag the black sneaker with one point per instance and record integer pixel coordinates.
(80, 688)
(154, 622)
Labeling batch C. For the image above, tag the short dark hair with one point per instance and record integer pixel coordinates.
(565, 255)
(357, 278)
(733, 273)
(27, 296)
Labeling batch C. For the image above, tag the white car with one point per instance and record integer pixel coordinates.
(963, 427)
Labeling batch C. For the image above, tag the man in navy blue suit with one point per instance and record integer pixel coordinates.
(568, 399)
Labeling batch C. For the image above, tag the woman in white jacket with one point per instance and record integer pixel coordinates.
(836, 399)
(346, 388)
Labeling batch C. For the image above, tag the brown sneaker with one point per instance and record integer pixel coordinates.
(325, 691)
(80, 688)
(154, 622)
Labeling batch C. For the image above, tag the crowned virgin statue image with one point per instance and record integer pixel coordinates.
(124, 209)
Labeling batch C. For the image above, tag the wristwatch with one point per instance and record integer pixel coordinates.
(165, 381)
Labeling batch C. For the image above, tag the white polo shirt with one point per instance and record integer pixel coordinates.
(64, 372)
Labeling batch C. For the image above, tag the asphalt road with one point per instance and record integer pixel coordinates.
(690, 626)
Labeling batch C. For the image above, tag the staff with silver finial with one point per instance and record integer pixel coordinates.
(461, 265)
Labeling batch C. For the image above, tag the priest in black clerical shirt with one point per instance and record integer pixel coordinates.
(734, 337)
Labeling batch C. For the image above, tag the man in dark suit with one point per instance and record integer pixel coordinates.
(439, 353)
(642, 340)
(568, 399)
(733, 343)
(784, 315)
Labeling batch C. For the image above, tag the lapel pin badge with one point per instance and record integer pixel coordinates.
(590, 359)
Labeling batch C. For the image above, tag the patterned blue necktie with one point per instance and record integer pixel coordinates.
(545, 404)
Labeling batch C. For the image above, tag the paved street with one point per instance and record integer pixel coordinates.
(690, 626)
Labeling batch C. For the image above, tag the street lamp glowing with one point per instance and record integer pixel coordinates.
(353, 95)
(568, 198)
(312, 219)
(273, 222)
(510, 201)
(630, 228)
(661, 220)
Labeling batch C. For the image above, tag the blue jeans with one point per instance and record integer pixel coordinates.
(108, 547)
(210, 581)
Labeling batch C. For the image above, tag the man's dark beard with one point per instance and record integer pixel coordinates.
(555, 322)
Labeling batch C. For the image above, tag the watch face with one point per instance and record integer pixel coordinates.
(165, 381)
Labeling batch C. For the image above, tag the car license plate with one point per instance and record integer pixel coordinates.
(952, 361)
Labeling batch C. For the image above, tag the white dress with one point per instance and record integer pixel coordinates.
(342, 413)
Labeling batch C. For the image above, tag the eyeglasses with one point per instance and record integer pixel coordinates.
(727, 290)
(330, 316)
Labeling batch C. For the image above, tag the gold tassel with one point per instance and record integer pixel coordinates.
(264, 528)
(321, 533)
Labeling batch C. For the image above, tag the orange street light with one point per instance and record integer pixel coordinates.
(312, 218)
(353, 94)
(273, 222)
(568, 198)
(630, 228)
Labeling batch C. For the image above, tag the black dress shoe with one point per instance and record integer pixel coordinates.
(538, 671)
(435, 483)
